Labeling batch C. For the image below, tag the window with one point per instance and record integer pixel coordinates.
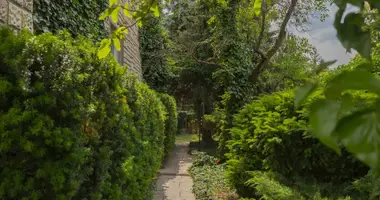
(117, 54)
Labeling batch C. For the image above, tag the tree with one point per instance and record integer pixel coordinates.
(290, 68)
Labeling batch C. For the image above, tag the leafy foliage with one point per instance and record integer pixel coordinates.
(356, 130)
(136, 11)
(171, 121)
(209, 180)
(271, 134)
(73, 126)
(78, 17)
(273, 186)
(154, 58)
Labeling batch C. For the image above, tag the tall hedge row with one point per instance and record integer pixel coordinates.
(73, 126)
(171, 122)
(269, 134)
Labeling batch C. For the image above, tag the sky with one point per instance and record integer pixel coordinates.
(322, 35)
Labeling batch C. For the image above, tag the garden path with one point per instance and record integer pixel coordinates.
(174, 181)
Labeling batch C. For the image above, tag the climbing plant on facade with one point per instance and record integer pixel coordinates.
(135, 10)
(78, 17)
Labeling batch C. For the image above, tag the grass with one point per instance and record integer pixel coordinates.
(185, 138)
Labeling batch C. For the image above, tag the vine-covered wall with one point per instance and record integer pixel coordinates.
(78, 16)
(82, 17)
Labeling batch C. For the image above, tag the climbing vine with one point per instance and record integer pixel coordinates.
(79, 17)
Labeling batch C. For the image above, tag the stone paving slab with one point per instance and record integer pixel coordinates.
(174, 182)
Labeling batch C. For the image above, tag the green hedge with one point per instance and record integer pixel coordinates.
(271, 135)
(171, 122)
(73, 126)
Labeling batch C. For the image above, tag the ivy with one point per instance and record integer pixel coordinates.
(79, 17)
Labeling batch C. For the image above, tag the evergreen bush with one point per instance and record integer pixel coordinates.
(269, 134)
(171, 122)
(73, 126)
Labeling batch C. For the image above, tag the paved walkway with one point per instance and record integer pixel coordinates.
(174, 182)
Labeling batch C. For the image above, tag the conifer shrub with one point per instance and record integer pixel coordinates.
(171, 122)
(73, 126)
(269, 134)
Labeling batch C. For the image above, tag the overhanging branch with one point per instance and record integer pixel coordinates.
(280, 39)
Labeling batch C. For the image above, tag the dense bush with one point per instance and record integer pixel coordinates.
(171, 121)
(273, 186)
(271, 135)
(73, 126)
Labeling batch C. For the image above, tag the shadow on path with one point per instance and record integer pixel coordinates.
(174, 181)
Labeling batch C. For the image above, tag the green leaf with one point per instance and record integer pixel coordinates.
(324, 65)
(112, 2)
(105, 14)
(104, 49)
(139, 23)
(351, 33)
(359, 133)
(115, 14)
(120, 32)
(257, 7)
(303, 93)
(358, 79)
(323, 119)
(211, 20)
(116, 43)
(155, 9)
(126, 11)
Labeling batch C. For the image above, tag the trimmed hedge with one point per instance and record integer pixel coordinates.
(73, 126)
(271, 135)
(171, 121)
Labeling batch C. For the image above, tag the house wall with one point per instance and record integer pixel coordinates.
(17, 13)
(130, 46)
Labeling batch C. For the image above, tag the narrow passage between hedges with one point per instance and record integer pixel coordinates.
(174, 181)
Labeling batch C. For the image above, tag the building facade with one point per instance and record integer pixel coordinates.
(18, 14)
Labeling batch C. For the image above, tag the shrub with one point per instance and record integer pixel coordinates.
(271, 186)
(209, 178)
(270, 134)
(73, 126)
(369, 185)
(171, 121)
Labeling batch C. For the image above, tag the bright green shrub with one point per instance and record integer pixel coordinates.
(271, 186)
(171, 121)
(270, 134)
(73, 126)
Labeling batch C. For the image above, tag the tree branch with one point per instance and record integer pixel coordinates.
(202, 61)
(280, 39)
(263, 15)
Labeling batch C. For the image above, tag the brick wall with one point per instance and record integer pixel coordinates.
(17, 13)
(130, 46)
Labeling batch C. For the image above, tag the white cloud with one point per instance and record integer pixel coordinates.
(322, 35)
